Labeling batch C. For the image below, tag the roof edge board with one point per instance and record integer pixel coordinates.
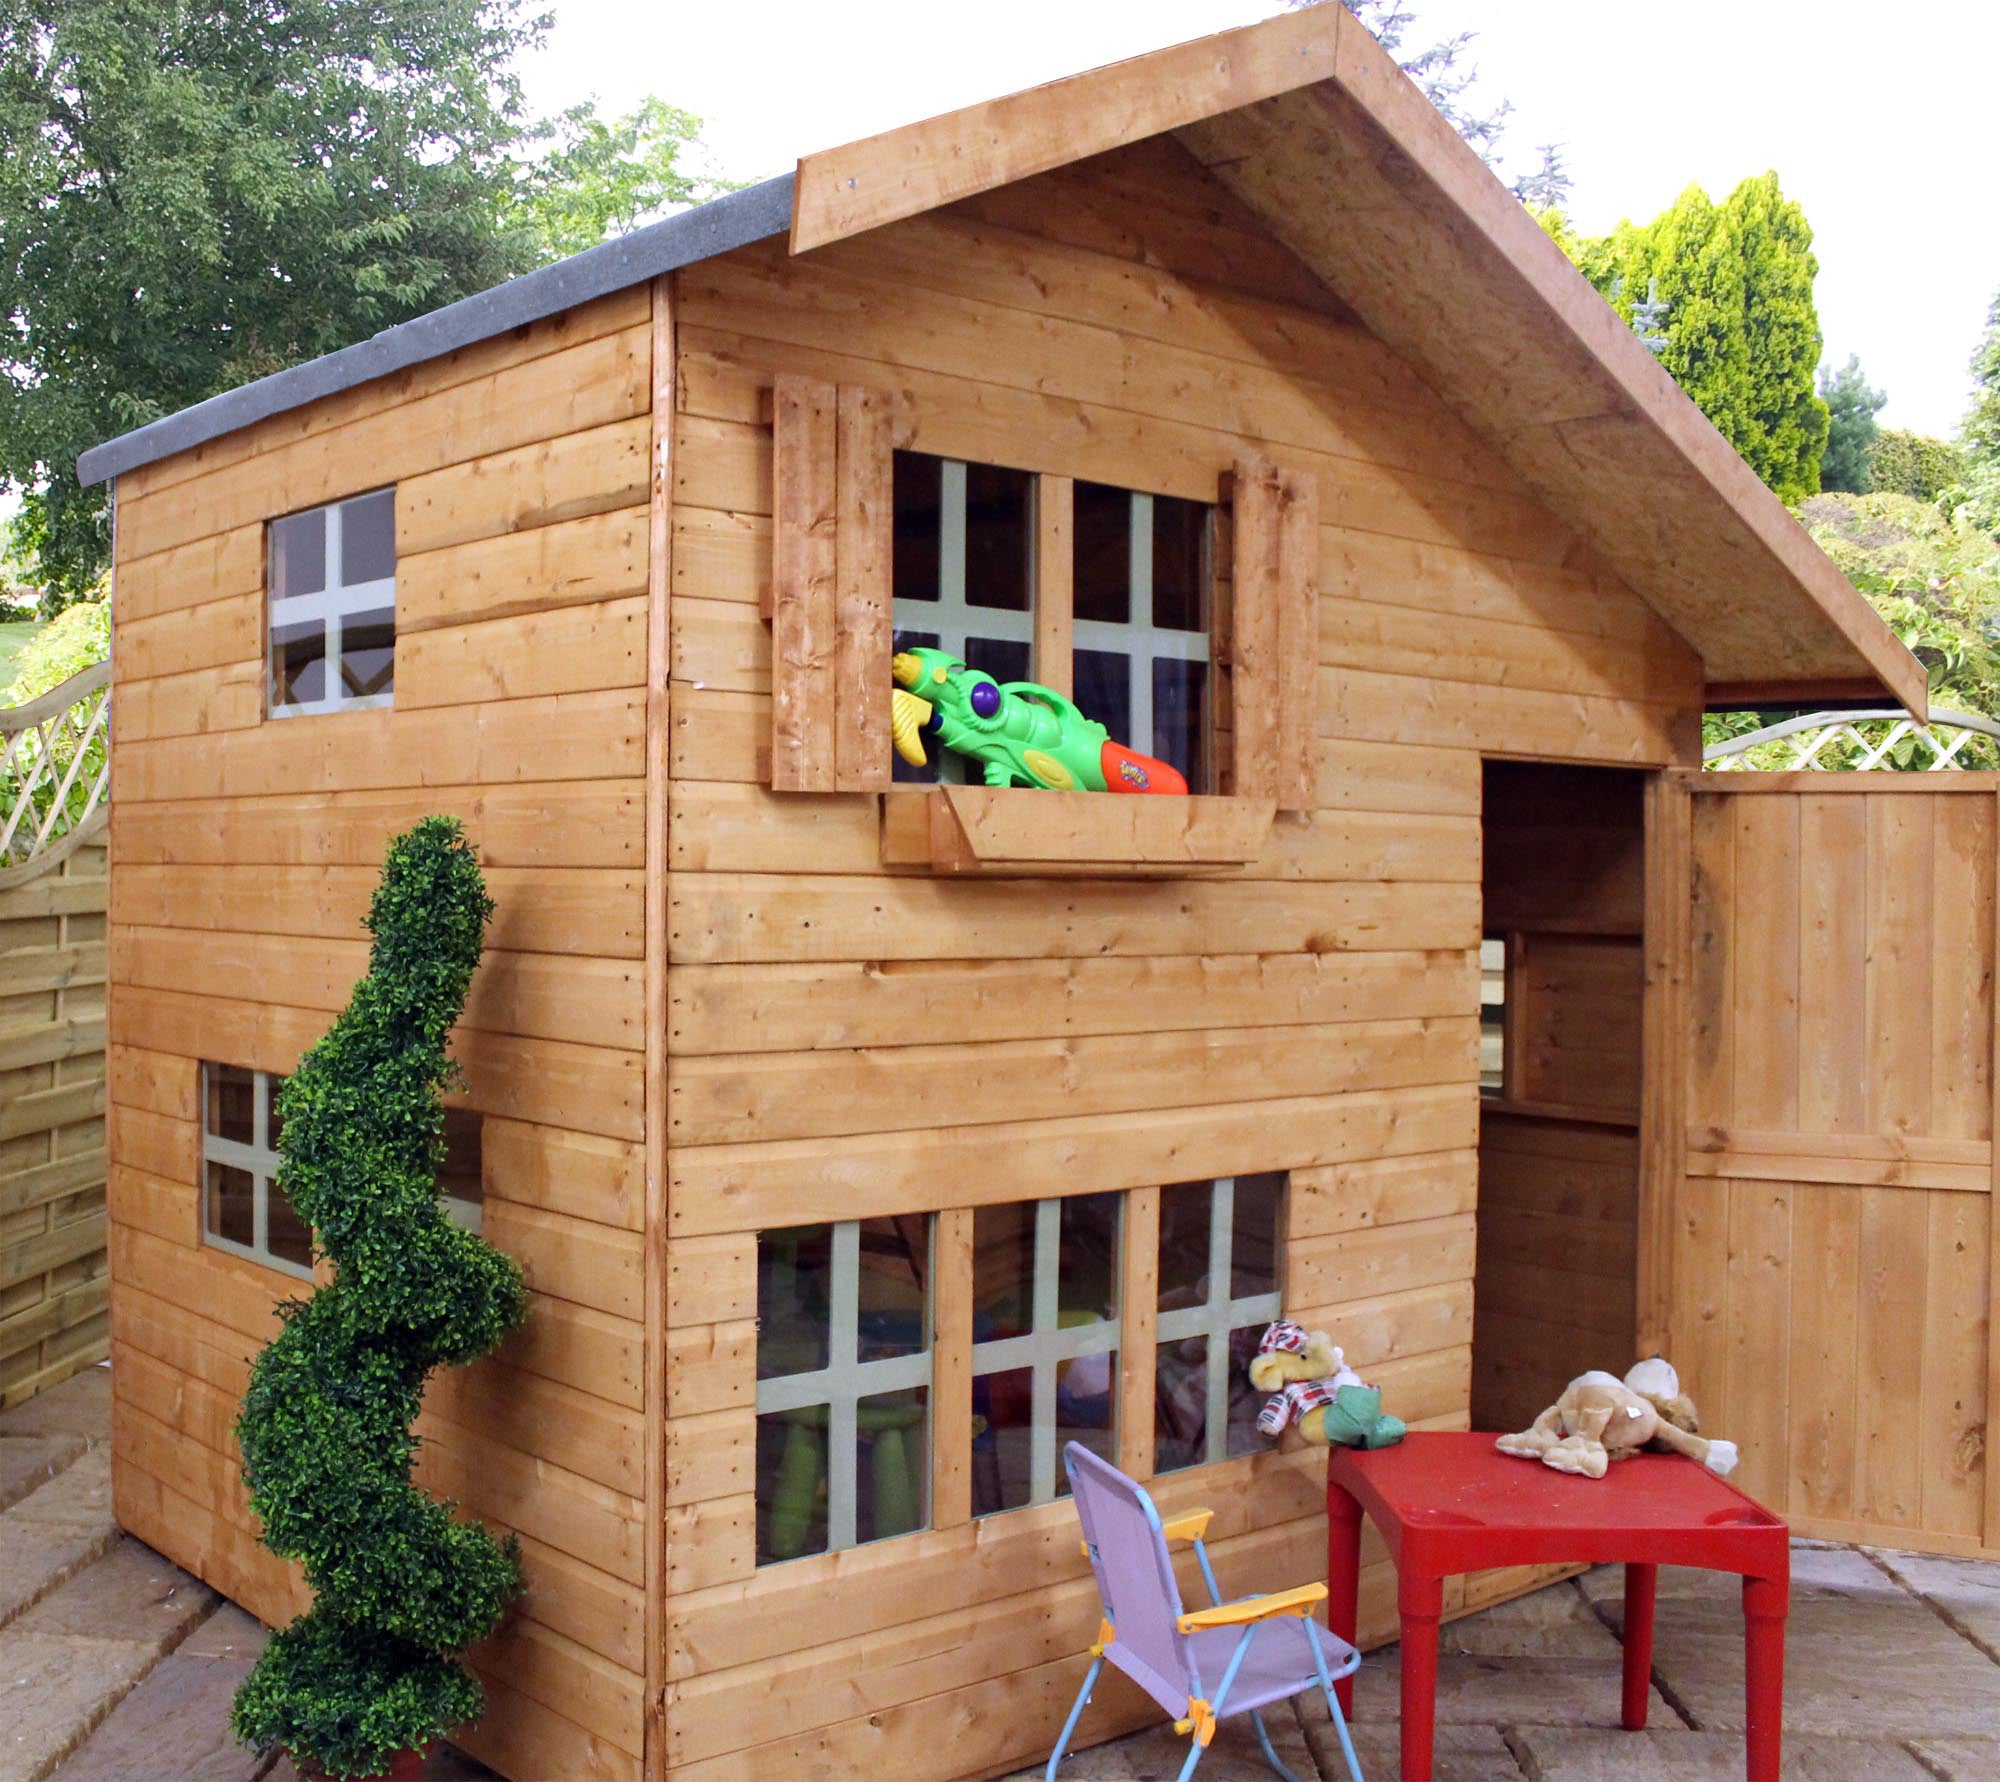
(731, 221)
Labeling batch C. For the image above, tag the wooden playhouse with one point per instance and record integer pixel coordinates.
(864, 1138)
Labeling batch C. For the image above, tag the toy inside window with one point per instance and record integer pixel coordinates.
(1219, 1287)
(1045, 1325)
(843, 1384)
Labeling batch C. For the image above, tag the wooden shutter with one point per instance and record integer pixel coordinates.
(831, 633)
(1273, 632)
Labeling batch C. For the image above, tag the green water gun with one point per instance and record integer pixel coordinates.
(1020, 733)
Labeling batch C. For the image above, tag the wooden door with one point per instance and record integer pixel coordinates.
(1821, 1238)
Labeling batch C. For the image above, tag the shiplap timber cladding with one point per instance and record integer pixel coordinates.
(1833, 1237)
(245, 852)
(53, 1287)
(847, 1037)
(830, 638)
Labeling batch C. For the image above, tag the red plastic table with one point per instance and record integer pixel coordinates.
(1449, 1502)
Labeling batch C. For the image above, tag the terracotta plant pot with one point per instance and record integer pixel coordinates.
(405, 1766)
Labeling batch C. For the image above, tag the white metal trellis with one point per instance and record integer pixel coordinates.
(1813, 737)
(55, 773)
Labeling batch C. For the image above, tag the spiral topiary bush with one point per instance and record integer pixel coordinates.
(401, 1586)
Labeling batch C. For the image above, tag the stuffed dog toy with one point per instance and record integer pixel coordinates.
(1600, 1418)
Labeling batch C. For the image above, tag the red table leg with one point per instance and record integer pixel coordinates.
(1765, 1601)
(1343, 1578)
(1421, 1601)
(1642, 1586)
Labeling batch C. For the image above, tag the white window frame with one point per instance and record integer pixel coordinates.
(261, 1163)
(1219, 1314)
(329, 606)
(1141, 642)
(846, 1380)
(1046, 1344)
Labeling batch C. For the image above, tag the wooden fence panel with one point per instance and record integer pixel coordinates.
(1833, 1243)
(52, 1264)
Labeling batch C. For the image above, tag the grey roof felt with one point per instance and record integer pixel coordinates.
(713, 228)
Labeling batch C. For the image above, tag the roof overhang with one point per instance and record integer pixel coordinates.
(1318, 131)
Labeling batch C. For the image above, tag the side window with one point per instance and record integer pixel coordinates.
(1219, 1288)
(843, 1384)
(1045, 1299)
(331, 575)
(244, 1210)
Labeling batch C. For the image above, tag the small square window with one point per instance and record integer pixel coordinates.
(332, 585)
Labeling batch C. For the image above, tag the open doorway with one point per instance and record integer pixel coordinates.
(1563, 977)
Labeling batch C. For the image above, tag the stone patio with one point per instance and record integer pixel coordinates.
(119, 1668)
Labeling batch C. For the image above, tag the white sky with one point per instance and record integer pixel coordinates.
(1881, 121)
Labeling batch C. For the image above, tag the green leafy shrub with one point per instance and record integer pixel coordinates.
(401, 1586)
(1913, 464)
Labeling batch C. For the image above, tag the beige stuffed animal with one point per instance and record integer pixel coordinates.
(1600, 1418)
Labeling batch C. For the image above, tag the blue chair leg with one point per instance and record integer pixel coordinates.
(1270, 1752)
(1075, 1714)
(1333, 1706)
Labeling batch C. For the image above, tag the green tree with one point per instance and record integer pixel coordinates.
(1851, 408)
(1913, 464)
(599, 179)
(401, 1585)
(1981, 433)
(1728, 293)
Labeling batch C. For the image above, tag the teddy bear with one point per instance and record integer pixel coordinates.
(1311, 1384)
(1600, 1418)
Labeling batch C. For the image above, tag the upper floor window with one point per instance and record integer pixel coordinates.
(245, 1211)
(332, 581)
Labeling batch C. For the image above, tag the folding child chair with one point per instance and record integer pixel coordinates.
(1262, 1649)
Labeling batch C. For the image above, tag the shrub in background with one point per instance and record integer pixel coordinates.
(401, 1586)
(1913, 464)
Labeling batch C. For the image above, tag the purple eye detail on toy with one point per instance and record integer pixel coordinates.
(985, 699)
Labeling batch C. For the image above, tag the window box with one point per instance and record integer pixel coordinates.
(1005, 831)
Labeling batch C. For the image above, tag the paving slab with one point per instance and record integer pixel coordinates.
(1556, 1622)
(1966, 1590)
(37, 1556)
(1864, 1657)
(1569, 1754)
(78, 1406)
(1960, 1760)
(30, 1461)
(1157, 1753)
(1461, 1753)
(80, 1494)
(1475, 1689)
(174, 1724)
(57, 1690)
(229, 1633)
(131, 1593)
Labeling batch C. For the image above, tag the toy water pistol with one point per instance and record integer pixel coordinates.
(1021, 734)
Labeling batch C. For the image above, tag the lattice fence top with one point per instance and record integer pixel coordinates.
(55, 774)
(1888, 739)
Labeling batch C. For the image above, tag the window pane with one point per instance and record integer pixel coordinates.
(791, 1481)
(1180, 578)
(298, 662)
(368, 538)
(996, 537)
(273, 1125)
(298, 554)
(1003, 1270)
(232, 1103)
(892, 1482)
(1180, 1403)
(1002, 659)
(1087, 1268)
(1180, 716)
(1003, 1415)
(1245, 1401)
(1103, 560)
(1184, 1228)
(1492, 1013)
(368, 652)
(894, 1263)
(1253, 1243)
(915, 553)
(794, 1277)
(232, 1203)
(287, 1236)
(1104, 692)
(459, 1176)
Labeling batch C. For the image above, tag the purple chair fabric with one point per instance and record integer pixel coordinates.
(1235, 1670)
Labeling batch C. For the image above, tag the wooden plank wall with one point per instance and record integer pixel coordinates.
(845, 1043)
(1832, 1273)
(1559, 1148)
(244, 852)
(53, 1317)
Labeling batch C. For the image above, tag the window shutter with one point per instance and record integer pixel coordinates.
(1273, 632)
(831, 636)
